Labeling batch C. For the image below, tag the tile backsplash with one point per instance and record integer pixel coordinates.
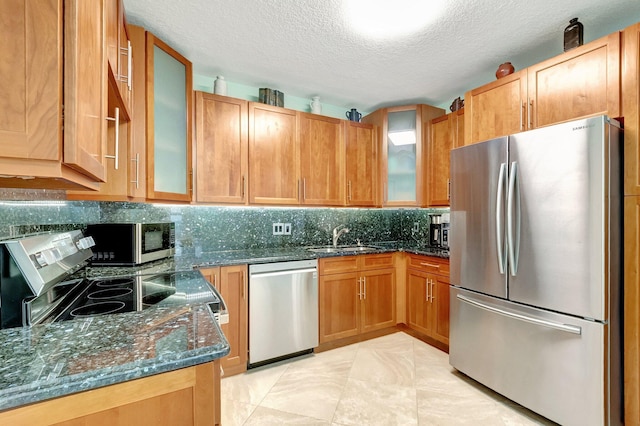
(213, 228)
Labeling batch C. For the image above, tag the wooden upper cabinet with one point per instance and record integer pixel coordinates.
(440, 145)
(37, 79)
(361, 164)
(582, 82)
(119, 52)
(273, 155)
(457, 131)
(631, 109)
(137, 159)
(322, 160)
(85, 87)
(403, 148)
(169, 121)
(222, 145)
(496, 109)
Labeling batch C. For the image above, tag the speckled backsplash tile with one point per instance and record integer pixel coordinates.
(214, 228)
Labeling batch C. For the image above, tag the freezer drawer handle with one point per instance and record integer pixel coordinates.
(544, 323)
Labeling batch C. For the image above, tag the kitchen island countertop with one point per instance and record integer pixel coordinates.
(52, 360)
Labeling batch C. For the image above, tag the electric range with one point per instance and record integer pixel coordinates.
(37, 284)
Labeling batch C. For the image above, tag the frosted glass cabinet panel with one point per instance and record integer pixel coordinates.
(169, 122)
(402, 140)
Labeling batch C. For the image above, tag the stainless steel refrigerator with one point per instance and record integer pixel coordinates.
(536, 269)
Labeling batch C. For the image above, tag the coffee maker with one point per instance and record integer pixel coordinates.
(439, 230)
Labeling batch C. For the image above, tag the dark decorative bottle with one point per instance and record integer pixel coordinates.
(573, 35)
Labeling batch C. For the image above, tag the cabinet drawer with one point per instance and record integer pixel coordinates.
(339, 264)
(376, 261)
(434, 265)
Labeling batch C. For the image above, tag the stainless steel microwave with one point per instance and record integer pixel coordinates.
(131, 243)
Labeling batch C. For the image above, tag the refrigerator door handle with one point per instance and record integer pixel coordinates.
(541, 322)
(499, 225)
(513, 197)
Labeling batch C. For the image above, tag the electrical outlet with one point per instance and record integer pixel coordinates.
(416, 226)
(287, 229)
(278, 229)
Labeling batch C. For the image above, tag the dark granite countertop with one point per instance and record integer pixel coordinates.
(268, 255)
(52, 360)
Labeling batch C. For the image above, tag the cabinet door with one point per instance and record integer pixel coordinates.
(403, 147)
(361, 164)
(118, 130)
(137, 163)
(418, 307)
(221, 149)
(339, 306)
(440, 305)
(169, 122)
(85, 87)
(231, 282)
(378, 291)
(458, 128)
(440, 145)
(496, 109)
(233, 288)
(321, 159)
(273, 155)
(31, 119)
(582, 82)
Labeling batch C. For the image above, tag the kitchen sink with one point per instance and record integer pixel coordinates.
(355, 249)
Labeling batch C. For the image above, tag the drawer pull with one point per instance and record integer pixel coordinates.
(430, 265)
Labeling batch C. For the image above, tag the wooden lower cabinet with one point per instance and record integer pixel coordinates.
(189, 396)
(428, 297)
(357, 295)
(231, 282)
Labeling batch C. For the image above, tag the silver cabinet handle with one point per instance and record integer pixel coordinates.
(574, 329)
(349, 190)
(530, 112)
(448, 189)
(360, 288)
(304, 189)
(242, 190)
(427, 287)
(137, 161)
(432, 296)
(513, 241)
(431, 265)
(364, 285)
(524, 106)
(116, 119)
(499, 209)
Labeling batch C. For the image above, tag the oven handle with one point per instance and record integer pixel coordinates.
(222, 316)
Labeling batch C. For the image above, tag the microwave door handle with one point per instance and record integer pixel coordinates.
(499, 225)
(513, 224)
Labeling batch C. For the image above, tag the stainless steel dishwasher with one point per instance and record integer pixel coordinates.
(283, 310)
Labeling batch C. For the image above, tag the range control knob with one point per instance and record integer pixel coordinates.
(85, 243)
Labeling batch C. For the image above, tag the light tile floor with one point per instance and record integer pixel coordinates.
(392, 380)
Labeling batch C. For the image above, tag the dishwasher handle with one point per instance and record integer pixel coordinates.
(279, 273)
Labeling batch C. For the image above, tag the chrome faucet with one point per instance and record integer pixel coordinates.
(337, 231)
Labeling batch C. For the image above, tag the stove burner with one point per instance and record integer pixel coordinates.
(114, 282)
(109, 293)
(95, 309)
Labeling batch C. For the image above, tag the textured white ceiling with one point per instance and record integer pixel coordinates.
(306, 47)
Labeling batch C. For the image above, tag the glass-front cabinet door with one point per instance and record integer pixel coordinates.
(403, 150)
(169, 122)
